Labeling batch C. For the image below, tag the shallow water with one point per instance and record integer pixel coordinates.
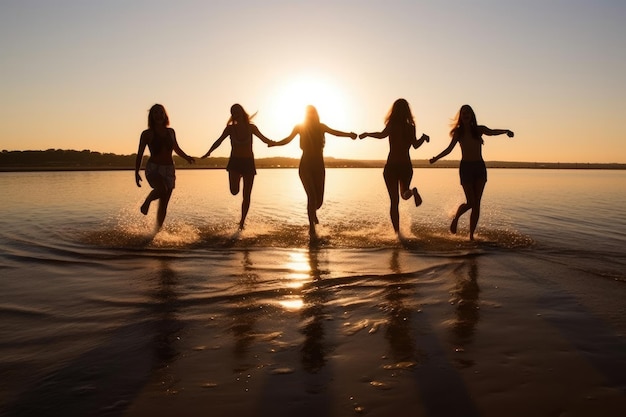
(102, 317)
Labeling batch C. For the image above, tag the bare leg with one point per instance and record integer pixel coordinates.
(417, 197)
(319, 181)
(313, 176)
(477, 195)
(163, 194)
(311, 209)
(153, 195)
(406, 192)
(460, 211)
(392, 188)
(248, 182)
(234, 178)
(162, 211)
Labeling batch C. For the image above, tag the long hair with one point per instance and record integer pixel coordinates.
(459, 127)
(239, 115)
(400, 114)
(314, 137)
(312, 117)
(153, 110)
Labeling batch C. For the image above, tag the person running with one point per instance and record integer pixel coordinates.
(311, 169)
(398, 172)
(159, 171)
(241, 162)
(472, 170)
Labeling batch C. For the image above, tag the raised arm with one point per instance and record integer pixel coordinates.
(218, 142)
(289, 138)
(376, 135)
(334, 132)
(179, 151)
(494, 132)
(419, 142)
(143, 141)
(445, 152)
(258, 134)
(415, 142)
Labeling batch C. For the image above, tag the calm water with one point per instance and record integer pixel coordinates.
(87, 291)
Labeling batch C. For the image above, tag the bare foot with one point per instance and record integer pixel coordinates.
(144, 208)
(453, 226)
(416, 196)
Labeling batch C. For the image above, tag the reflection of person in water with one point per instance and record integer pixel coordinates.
(468, 134)
(160, 173)
(241, 162)
(314, 315)
(398, 331)
(165, 306)
(312, 171)
(245, 309)
(400, 128)
(465, 298)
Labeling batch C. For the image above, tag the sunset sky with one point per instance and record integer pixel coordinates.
(81, 74)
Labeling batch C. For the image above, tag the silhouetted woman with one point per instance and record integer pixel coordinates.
(312, 171)
(241, 162)
(398, 172)
(160, 172)
(472, 170)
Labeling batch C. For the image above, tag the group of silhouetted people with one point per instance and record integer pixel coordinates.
(398, 171)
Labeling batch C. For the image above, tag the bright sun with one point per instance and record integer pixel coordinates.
(286, 107)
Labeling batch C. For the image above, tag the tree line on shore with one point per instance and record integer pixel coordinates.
(86, 159)
(60, 159)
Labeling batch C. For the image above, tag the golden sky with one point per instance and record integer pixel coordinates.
(83, 74)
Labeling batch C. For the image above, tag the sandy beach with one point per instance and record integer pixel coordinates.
(480, 334)
(477, 336)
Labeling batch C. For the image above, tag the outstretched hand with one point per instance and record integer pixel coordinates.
(362, 135)
(510, 134)
(353, 135)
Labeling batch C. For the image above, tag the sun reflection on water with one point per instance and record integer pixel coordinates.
(299, 274)
(299, 269)
(292, 304)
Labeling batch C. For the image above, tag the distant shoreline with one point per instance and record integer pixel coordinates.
(329, 165)
(70, 160)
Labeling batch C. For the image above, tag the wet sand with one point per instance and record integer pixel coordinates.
(498, 335)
